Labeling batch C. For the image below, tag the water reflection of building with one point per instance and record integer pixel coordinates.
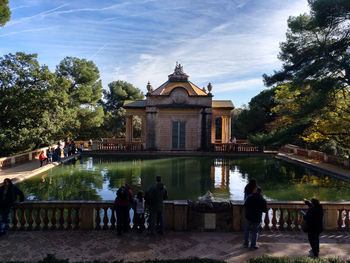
(226, 180)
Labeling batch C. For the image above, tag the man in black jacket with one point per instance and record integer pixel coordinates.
(155, 197)
(8, 198)
(314, 222)
(254, 205)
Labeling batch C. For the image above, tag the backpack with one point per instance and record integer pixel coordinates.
(123, 193)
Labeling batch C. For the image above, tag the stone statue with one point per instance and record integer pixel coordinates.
(149, 87)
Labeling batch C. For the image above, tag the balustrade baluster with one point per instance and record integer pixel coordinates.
(15, 219)
(23, 219)
(113, 218)
(61, 220)
(38, 219)
(281, 221)
(46, 219)
(274, 219)
(98, 219)
(69, 219)
(76, 219)
(105, 218)
(53, 219)
(30, 218)
(267, 220)
(340, 219)
(296, 220)
(289, 220)
(347, 221)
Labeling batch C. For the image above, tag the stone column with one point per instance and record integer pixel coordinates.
(229, 128)
(224, 132)
(151, 118)
(143, 130)
(128, 130)
(213, 128)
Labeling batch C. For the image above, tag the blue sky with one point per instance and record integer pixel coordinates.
(229, 43)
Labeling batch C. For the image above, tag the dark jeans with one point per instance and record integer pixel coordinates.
(314, 240)
(122, 219)
(42, 161)
(139, 220)
(5, 220)
(251, 227)
(154, 217)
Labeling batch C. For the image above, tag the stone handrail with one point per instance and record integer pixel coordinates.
(21, 158)
(179, 215)
(235, 147)
(326, 158)
(134, 146)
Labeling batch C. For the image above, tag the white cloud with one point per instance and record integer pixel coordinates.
(242, 47)
(241, 85)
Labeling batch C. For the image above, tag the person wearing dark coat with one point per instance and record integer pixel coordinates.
(8, 198)
(255, 205)
(248, 189)
(154, 198)
(314, 222)
(122, 204)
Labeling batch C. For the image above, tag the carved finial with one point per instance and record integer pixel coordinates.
(210, 87)
(204, 89)
(149, 87)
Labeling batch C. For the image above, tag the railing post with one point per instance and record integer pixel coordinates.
(237, 217)
(87, 217)
(94, 146)
(169, 215)
(180, 215)
(330, 217)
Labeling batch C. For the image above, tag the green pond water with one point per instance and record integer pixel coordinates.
(186, 178)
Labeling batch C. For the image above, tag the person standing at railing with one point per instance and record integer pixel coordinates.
(255, 205)
(155, 197)
(8, 198)
(122, 204)
(42, 158)
(314, 224)
(249, 188)
(139, 208)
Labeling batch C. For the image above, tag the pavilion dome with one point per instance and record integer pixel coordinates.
(179, 79)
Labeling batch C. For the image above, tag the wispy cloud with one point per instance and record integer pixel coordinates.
(230, 43)
(28, 31)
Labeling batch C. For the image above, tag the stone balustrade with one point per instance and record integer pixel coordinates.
(179, 215)
(320, 156)
(135, 146)
(235, 147)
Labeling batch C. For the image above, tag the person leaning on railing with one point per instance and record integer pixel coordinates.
(314, 224)
(8, 198)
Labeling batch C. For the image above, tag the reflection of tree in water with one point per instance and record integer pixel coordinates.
(284, 181)
(185, 178)
(76, 185)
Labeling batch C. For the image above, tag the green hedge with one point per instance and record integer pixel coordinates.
(52, 259)
(296, 260)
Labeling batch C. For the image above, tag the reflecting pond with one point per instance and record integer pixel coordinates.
(96, 178)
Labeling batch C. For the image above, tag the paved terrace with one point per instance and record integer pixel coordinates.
(28, 169)
(106, 245)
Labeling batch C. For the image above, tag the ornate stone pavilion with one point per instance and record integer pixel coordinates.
(179, 116)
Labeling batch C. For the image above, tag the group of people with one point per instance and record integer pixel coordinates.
(55, 154)
(152, 200)
(255, 205)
